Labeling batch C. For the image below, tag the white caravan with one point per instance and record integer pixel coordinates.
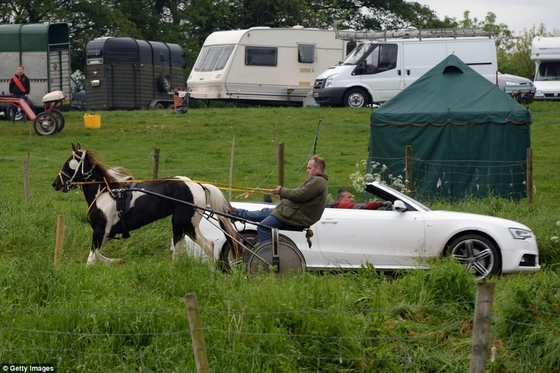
(388, 62)
(545, 51)
(263, 65)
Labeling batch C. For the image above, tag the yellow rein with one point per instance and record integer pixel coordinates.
(246, 192)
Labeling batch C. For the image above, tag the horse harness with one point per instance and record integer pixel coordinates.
(123, 199)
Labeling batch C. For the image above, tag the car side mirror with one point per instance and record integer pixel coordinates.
(399, 206)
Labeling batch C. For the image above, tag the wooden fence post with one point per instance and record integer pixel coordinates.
(59, 240)
(481, 326)
(530, 175)
(408, 169)
(281, 164)
(155, 167)
(231, 166)
(197, 336)
(26, 187)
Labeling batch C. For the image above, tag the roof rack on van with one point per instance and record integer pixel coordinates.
(408, 33)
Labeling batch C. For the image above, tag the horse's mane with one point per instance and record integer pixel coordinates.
(112, 175)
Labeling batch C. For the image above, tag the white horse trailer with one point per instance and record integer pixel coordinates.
(263, 65)
(545, 52)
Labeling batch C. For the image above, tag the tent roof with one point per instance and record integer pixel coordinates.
(451, 93)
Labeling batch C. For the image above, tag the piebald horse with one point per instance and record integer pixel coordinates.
(117, 206)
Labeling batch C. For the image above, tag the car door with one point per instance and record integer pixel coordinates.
(387, 239)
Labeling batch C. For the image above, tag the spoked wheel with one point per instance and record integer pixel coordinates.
(476, 253)
(45, 124)
(228, 256)
(290, 259)
(60, 118)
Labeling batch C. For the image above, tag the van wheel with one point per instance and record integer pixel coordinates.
(356, 97)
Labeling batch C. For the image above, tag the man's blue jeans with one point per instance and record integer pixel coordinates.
(265, 218)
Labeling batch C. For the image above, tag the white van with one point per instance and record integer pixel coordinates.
(545, 51)
(263, 65)
(388, 62)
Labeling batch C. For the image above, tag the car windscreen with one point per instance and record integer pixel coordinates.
(393, 195)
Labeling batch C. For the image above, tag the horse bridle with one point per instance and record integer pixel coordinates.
(75, 165)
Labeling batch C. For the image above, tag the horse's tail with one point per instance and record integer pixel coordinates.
(217, 202)
(215, 199)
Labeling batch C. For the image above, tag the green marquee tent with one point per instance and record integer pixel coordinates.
(468, 137)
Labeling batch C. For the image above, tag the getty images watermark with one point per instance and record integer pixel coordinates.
(43, 368)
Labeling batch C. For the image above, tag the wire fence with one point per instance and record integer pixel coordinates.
(453, 178)
(250, 170)
(171, 350)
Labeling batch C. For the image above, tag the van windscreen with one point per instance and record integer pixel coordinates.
(358, 53)
(548, 71)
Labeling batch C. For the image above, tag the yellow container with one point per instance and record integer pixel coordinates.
(92, 121)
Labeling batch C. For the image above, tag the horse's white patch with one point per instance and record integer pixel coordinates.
(108, 206)
(135, 196)
(91, 258)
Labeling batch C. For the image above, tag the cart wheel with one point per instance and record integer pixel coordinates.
(60, 117)
(45, 124)
(228, 257)
(254, 242)
(290, 259)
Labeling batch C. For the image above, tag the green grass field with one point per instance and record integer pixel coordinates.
(132, 318)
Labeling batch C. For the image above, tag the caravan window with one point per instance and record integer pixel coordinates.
(306, 53)
(213, 58)
(261, 56)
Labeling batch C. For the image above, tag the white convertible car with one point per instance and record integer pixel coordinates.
(401, 238)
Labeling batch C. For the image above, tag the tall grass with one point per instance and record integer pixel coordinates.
(133, 318)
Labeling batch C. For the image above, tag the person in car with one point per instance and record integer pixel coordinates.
(345, 200)
(299, 207)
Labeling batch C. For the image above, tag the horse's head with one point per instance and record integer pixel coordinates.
(77, 168)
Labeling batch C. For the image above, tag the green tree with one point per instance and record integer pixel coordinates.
(517, 59)
(513, 52)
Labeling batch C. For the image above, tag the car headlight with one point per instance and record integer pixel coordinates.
(329, 81)
(520, 233)
(539, 93)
